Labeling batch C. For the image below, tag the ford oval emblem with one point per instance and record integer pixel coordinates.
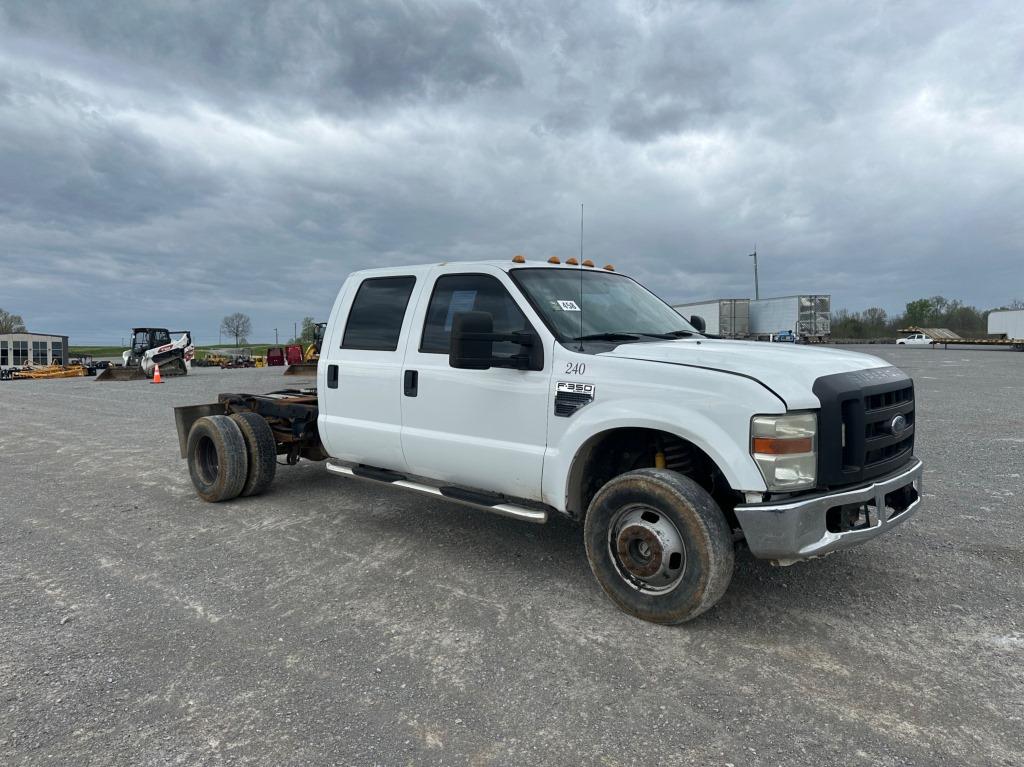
(898, 425)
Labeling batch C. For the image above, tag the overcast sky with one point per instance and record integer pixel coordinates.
(167, 163)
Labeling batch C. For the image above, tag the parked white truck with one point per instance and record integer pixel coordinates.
(530, 389)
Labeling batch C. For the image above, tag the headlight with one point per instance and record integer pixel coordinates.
(785, 448)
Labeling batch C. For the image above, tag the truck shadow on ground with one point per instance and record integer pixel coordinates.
(457, 539)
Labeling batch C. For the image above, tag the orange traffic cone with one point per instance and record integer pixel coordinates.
(156, 374)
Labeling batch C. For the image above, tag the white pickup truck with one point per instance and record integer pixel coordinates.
(533, 388)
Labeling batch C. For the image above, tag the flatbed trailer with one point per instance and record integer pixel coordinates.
(947, 339)
(1016, 343)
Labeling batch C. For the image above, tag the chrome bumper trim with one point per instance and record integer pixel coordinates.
(795, 529)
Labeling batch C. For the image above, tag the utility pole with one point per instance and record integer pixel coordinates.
(757, 290)
(276, 342)
(295, 330)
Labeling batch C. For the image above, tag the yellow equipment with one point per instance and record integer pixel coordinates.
(49, 371)
(311, 356)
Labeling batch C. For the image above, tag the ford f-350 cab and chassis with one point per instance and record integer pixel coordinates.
(535, 388)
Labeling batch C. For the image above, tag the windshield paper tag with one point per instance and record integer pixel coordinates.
(568, 306)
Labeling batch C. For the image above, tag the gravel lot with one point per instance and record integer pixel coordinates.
(337, 622)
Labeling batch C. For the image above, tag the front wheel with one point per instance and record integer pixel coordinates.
(659, 545)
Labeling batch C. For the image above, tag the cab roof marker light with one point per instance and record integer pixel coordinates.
(554, 260)
(519, 259)
(572, 262)
(588, 262)
(609, 267)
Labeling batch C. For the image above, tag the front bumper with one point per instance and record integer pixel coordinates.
(799, 528)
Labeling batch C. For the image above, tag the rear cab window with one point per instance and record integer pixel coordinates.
(375, 320)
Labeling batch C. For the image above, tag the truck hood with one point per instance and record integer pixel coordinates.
(788, 370)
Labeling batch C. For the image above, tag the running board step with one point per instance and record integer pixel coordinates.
(476, 500)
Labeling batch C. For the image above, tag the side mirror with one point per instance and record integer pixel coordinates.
(470, 348)
(698, 323)
(473, 339)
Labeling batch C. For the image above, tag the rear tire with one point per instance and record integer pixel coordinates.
(659, 545)
(261, 452)
(217, 460)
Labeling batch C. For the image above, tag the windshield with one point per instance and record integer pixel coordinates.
(612, 307)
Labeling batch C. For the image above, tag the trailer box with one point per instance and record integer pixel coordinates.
(809, 317)
(1008, 324)
(724, 317)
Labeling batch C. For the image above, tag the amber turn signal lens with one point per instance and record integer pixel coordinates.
(772, 446)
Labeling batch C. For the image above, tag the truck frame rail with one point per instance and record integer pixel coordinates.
(290, 413)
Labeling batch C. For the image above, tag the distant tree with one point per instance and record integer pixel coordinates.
(11, 323)
(875, 316)
(940, 309)
(238, 325)
(918, 313)
(308, 331)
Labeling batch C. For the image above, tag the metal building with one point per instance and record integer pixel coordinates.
(19, 349)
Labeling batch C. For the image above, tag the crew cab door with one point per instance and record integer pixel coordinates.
(482, 429)
(360, 371)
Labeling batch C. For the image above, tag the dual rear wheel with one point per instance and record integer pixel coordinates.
(231, 456)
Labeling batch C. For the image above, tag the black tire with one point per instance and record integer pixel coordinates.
(629, 530)
(261, 452)
(216, 458)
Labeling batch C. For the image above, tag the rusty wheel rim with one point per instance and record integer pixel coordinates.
(647, 549)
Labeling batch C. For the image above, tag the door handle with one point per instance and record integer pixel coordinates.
(332, 376)
(411, 383)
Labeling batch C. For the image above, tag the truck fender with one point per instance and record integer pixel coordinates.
(724, 449)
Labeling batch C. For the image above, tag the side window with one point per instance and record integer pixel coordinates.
(161, 337)
(375, 319)
(456, 293)
(3, 353)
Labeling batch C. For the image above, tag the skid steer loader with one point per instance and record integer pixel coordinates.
(152, 347)
(311, 357)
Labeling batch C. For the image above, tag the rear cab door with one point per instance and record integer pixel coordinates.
(360, 371)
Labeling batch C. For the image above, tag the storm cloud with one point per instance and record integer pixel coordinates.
(168, 163)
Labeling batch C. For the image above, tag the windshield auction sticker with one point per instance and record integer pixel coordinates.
(568, 306)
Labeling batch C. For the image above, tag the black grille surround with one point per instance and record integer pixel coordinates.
(856, 438)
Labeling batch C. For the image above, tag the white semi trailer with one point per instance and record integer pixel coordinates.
(808, 317)
(723, 317)
(1008, 324)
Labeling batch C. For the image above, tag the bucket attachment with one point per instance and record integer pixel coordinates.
(173, 367)
(307, 369)
(122, 374)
